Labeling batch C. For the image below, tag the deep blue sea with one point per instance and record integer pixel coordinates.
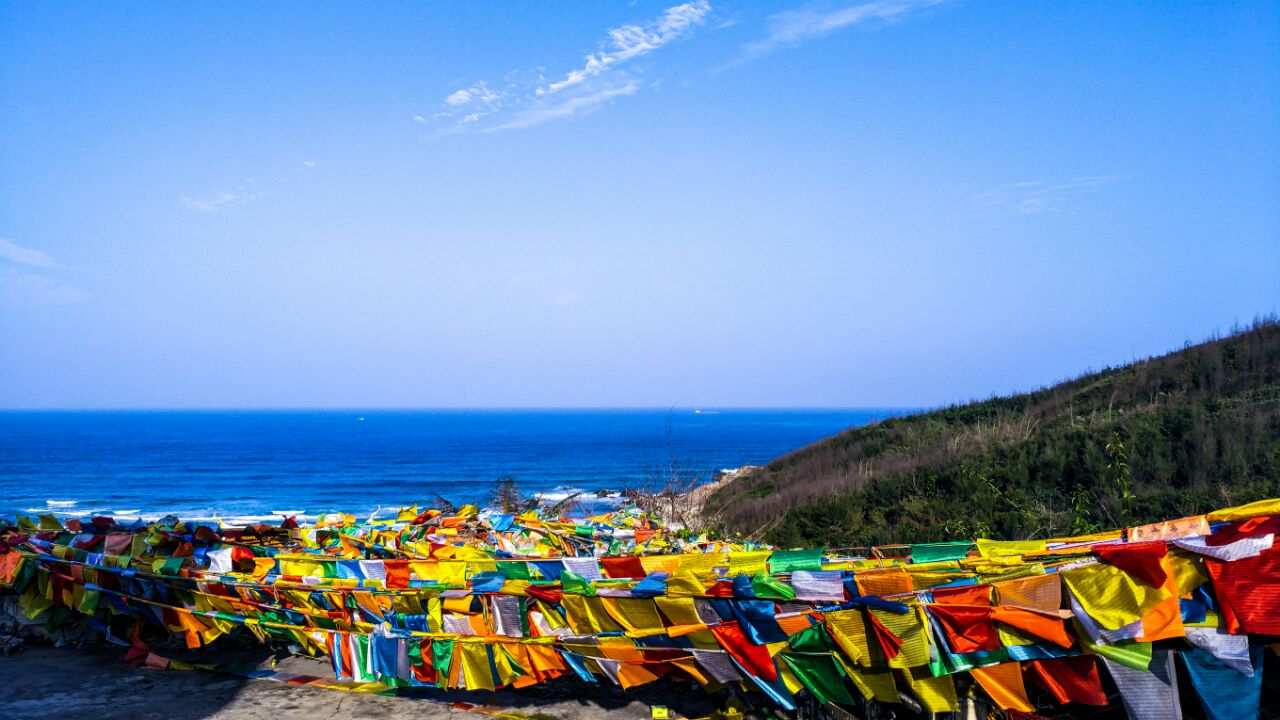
(257, 464)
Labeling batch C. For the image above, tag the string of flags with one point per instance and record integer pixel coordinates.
(478, 601)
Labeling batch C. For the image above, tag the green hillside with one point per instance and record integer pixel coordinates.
(1176, 435)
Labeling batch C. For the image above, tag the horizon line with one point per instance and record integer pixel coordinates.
(451, 408)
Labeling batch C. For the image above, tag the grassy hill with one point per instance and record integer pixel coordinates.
(1166, 437)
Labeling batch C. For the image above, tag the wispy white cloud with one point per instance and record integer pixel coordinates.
(246, 192)
(794, 27)
(21, 287)
(470, 104)
(632, 41)
(214, 202)
(1039, 196)
(527, 98)
(576, 105)
(25, 256)
(478, 94)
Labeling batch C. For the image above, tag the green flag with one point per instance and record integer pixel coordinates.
(575, 584)
(441, 656)
(937, 552)
(769, 587)
(166, 566)
(822, 675)
(414, 651)
(813, 639)
(515, 569)
(1135, 655)
(784, 561)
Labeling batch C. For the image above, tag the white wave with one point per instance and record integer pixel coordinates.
(66, 511)
(188, 514)
(241, 520)
(60, 503)
(559, 493)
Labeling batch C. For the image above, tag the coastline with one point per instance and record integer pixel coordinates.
(253, 466)
(682, 505)
(685, 507)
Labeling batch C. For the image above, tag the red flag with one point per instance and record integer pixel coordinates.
(968, 628)
(1140, 560)
(1071, 679)
(755, 658)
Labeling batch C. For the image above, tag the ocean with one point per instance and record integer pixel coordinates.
(247, 466)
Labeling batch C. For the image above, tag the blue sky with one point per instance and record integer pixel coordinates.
(893, 203)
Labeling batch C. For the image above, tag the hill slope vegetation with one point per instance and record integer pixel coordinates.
(1162, 438)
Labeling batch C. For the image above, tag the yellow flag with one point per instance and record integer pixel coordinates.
(1243, 512)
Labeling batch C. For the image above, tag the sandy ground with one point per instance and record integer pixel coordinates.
(46, 682)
